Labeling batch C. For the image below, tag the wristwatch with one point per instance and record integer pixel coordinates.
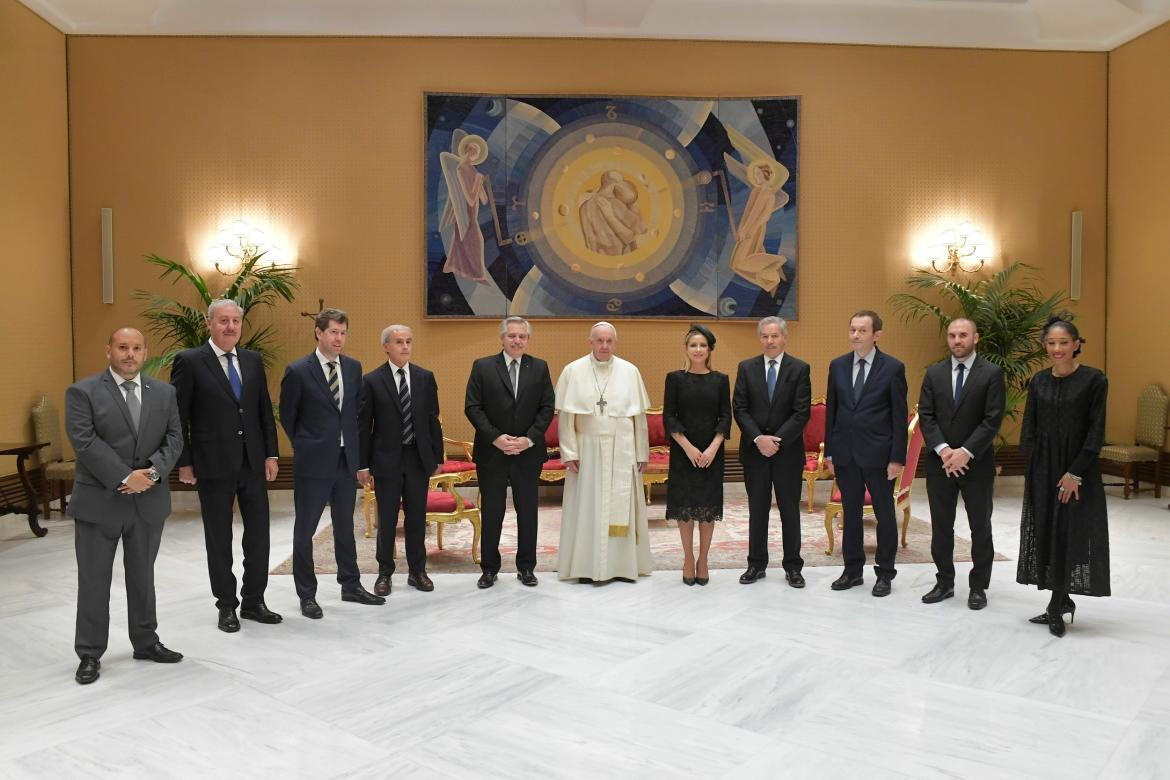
(153, 474)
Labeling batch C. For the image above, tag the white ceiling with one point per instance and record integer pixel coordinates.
(1083, 25)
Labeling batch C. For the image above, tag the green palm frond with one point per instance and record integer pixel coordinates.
(178, 325)
(1008, 307)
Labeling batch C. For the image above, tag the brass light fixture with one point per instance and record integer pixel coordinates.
(238, 245)
(961, 248)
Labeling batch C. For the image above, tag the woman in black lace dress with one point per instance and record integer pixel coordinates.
(1064, 533)
(696, 411)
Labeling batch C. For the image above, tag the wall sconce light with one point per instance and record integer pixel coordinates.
(238, 245)
(961, 248)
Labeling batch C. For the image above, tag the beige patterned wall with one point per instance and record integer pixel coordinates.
(320, 140)
(36, 350)
(1139, 195)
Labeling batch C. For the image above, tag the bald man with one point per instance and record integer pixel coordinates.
(124, 427)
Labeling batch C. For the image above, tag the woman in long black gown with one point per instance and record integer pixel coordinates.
(696, 411)
(1064, 532)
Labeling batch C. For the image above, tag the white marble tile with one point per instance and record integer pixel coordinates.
(651, 679)
(587, 732)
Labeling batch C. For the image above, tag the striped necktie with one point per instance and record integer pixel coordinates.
(404, 401)
(334, 383)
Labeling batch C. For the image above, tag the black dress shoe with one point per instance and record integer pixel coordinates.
(881, 587)
(486, 580)
(311, 609)
(228, 621)
(362, 596)
(977, 598)
(847, 581)
(752, 574)
(382, 585)
(937, 594)
(88, 670)
(527, 577)
(159, 654)
(260, 613)
(421, 581)
(583, 580)
(795, 579)
(1069, 608)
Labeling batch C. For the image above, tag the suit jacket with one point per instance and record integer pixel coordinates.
(380, 420)
(973, 424)
(101, 431)
(492, 409)
(312, 420)
(214, 422)
(784, 416)
(871, 432)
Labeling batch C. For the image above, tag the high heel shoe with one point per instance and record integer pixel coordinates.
(701, 580)
(687, 580)
(1055, 623)
(1068, 608)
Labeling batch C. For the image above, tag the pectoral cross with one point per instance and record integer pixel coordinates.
(601, 404)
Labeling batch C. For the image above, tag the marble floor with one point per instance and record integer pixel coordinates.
(653, 679)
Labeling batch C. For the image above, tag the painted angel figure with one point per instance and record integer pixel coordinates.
(465, 194)
(765, 176)
(610, 218)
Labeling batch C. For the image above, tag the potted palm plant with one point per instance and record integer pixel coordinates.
(1010, 315)
(180, 326)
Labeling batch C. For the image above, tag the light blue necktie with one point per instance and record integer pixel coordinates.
(771, 377)
(234, 377)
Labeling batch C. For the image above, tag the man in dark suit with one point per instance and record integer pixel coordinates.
(510, 402)
(401, 447)
(771, 403)
(230, 436)
(865, 446)
(319, 412)
(124, 427)
(960, 409)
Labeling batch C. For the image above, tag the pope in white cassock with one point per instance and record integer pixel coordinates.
(601, 407)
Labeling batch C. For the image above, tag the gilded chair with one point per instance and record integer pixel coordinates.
(657, 470)
(58, 471)
(1149, 440)
(553, 469)
(444, 503)
(834, 509)
(814, 448)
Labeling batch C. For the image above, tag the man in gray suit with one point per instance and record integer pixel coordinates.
(125, 429)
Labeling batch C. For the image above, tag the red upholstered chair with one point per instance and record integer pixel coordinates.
(444, 504)
(901, 488)
(657, 470)
(814, 448)
(553, 469)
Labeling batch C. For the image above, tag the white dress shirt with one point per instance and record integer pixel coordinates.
(219, 353)
(779, 359)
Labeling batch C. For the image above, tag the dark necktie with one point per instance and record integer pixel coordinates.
(334, 383)
(514, 373)
(404, 401)
(234, 376)
(771, 377)
(133, 403)
(959, 383)
(859, 382)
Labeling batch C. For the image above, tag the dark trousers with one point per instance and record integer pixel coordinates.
(406, 488)
(943, 493)
(763, 478)
(854, 481)
(309, 498)
(524, 477)
(95, 545)
(216, 498)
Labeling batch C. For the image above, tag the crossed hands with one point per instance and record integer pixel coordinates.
(701, 459)
(768, 445)
(139, 481)
(955, 462)
(511, 445)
